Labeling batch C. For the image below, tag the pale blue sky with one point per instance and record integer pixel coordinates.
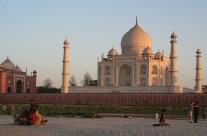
(32, 33)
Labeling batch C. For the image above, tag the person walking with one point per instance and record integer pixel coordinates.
(196, 112)
(191, 112)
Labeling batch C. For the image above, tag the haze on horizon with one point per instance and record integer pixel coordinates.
(32, 33)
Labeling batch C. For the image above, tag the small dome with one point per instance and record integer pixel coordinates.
(112, 52)
(147, 51)
(8, 64)
(173, 34)
(158, 55)
(198, 51)
(34, 72)
(66, 42)
(135, 41)
(17, 68)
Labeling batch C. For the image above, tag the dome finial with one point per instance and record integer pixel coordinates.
(66, 42)
(136, 20)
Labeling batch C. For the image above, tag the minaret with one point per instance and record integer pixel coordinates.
(173, 61)
(198, 80)
(65, 74)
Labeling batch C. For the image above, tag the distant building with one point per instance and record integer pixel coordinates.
(138, 65)
(14, 80)
(204, 88)
(137, 69)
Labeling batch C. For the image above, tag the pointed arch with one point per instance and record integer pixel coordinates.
(107, 70)
(107, 82)
(9, 89)
(154, 69)
(28, 90)
(154, 81)
(161, 70)
(143, 82)
(19, 86)
(143, 69)
(99, 70)
(166, 76)
(125, 75)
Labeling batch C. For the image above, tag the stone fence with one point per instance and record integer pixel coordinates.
(174, 99)
(127, 89)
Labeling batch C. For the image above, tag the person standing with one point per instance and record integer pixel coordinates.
(204, 114)
(191, 112)
(4, 107)
(196, 112)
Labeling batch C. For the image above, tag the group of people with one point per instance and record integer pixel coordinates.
(193, 115)
(193, 112)
(30, 117)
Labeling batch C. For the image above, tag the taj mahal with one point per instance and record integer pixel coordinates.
(137, 69)
(137, 65)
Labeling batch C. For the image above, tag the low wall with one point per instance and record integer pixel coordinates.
(126, 89)
(176, 99)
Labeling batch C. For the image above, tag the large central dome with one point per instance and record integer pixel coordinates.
(135, 41)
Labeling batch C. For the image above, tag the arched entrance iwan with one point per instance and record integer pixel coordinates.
(125, 75)
(19, 86)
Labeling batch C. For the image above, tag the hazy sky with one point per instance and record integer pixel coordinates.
(32, 33)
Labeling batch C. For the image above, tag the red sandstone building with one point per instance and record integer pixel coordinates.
(14, 80)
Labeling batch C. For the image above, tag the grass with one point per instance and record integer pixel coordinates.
(90, 111)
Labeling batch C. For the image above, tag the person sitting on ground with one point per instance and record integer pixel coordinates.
(39, 119)
(30, 117)
(35, 117)
(162, 120)
(22, 117)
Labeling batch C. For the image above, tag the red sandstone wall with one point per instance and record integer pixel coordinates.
(32, 85)
(3, 82)
(107, 98)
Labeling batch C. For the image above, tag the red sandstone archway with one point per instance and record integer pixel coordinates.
(19, 86)
(9, 89)
(28, 90)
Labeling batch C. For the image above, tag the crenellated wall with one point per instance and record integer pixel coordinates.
(176, 99)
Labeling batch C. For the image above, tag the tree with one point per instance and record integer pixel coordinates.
(42, 89)
(48, 83)
(73, 81)
(93, 83)
(88, 81)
